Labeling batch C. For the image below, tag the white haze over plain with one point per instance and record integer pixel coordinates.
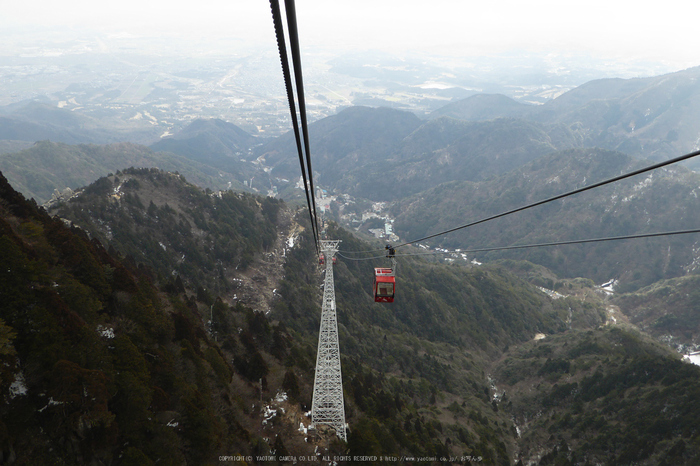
(624, 31)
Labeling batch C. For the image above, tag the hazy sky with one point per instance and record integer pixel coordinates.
(612, 29)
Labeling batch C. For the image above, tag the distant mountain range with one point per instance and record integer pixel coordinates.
(38, 121)
(385, 154)
(446, 150)
(481, 107)
(215, 143)
(49, 166)
(355, 138)
(651, 118)
(360, 147)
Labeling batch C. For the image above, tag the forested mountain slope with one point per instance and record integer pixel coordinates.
(105, 362)
(154, 218)
(416, 372)
(668, 309)
(161, 220)
(115, 362)
(605, 396)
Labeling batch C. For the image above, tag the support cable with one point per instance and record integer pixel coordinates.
(560, 196)
(284, 59)
(363, 258)
(555, 243)
(363, 252)
(296, 60)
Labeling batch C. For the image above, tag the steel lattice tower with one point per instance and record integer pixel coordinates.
(327, 406)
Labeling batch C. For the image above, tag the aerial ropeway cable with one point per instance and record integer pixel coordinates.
(304, 161)
(540, 245)
(560, 196)
(538, 203)
(299, 79)
(534, 245)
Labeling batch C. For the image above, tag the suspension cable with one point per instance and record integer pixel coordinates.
(363, 258)
(560, 196)
(281, 45)
(555, 243)
(296, 59)
(526, 246)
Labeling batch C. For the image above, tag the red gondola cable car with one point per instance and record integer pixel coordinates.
(384, 285)
(385, 280)
(322, 259)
